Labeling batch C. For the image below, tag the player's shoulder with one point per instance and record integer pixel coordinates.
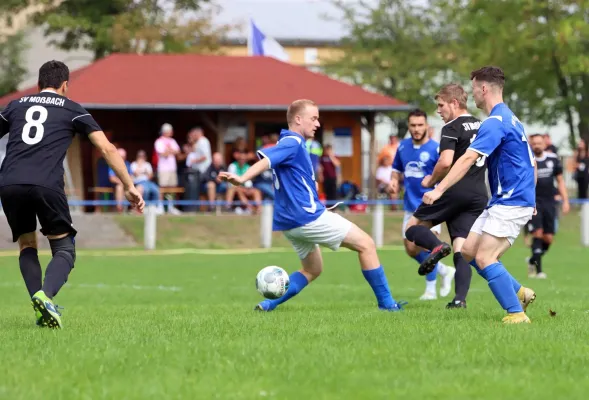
(75, 107)
(290, 141)
(493, 122)
(14, 104)
(432, 144)
(551, 155)
(405, 143)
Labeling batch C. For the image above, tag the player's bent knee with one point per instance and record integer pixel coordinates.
(313, 263)
(65, 247)
(548, 238)
(412, 222)
(27, 240)
(484, 260)
(367, 244)
(358, 240)
(411, 248)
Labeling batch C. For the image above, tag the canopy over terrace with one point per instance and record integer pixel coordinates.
(132, 95)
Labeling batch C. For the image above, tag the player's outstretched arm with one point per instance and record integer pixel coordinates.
(250, 174)
(456, 173)
(115, 161)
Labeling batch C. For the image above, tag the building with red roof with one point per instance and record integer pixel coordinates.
(132, 95)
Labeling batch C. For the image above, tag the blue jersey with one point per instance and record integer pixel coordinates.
(501, 138)
(415, 162)
(296, 202)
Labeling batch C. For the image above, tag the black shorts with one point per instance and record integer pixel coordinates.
(458, 212)
(544, 219)
(23, 204)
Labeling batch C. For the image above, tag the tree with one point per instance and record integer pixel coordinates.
(12, 71)
(109, 26)
(396, 47)
(408, 50)
(542, 46)
(12, 47)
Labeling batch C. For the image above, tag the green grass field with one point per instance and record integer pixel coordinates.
(182, 327)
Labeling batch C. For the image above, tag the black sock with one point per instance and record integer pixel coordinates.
(545, 246)
(537, 252)
(59, 267)
(422, 236)
(30, 268)
(462, 278)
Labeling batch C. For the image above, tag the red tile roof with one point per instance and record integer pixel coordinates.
(210, 82)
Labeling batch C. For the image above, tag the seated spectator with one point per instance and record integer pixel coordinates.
(265, 184)
(212, 185)
(383, 173)
(112, 177)
(142, 174)
(246, 191)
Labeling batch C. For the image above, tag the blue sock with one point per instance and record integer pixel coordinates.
(516, 284)
(378, 282)
(432, 275)
(297, 283)
(501, 285)
(475, 265)
(421, 258)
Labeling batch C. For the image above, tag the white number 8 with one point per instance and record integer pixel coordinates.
(34, 123)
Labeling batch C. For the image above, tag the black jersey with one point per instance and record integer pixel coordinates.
(457, 135)
(41, 128)
(549, 167)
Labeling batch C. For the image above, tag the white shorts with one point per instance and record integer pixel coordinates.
(503, 221)
(436, 229)
(329, 230)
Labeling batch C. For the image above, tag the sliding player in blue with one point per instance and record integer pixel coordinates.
(512, 178)
(303, 218)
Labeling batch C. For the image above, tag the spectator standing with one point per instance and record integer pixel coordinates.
(315, 152)
(550, 147)
(167, 148)
(329, 166)
(582, 169)
(389, 150)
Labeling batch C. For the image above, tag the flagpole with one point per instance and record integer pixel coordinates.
(250, 34)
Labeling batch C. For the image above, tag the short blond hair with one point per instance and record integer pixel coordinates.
(296, 107)
(453, 91)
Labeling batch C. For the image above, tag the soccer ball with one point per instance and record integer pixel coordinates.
(272, 282)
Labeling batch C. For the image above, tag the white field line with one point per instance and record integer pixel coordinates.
(168, 252)
(105, 286)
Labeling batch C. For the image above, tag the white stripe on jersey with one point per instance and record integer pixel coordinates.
(477, 151)
(450, 137)
(3, 118)
(83, 115)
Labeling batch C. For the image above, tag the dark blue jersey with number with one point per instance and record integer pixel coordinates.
(41, 128)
